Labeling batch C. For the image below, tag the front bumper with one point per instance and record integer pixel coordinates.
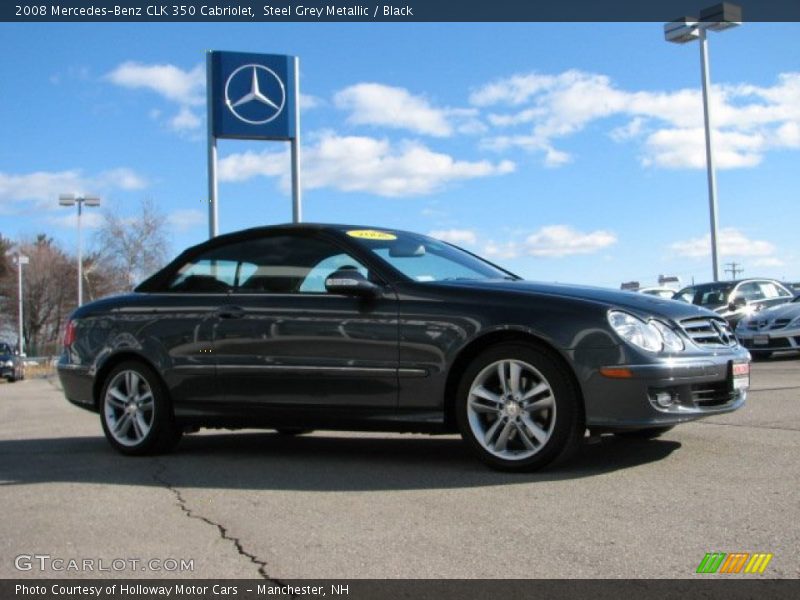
(769, 341)
(696, 387)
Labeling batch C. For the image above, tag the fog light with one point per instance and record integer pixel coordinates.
(664, 399)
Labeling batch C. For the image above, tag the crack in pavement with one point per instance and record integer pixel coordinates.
(158, 476)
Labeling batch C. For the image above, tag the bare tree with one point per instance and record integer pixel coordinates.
(133, 247)
(49, 293)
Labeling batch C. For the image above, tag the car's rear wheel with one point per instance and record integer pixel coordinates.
(518, 409)
(644, 434)
(136, 412)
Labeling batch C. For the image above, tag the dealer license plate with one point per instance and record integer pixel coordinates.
(741, 376)
(760, 340)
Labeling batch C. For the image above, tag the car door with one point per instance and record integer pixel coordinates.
(182, 317)
(282, 340)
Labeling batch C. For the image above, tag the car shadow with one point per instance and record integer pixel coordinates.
(268, 461)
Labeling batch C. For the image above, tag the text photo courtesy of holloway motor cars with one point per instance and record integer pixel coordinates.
(345, 299)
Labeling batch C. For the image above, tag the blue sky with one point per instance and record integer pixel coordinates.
(566, 152)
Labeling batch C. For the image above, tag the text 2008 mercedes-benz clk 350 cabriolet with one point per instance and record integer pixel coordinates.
(299, 327)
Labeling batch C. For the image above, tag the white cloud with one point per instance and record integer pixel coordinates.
(173, 83)
(563, 240)
(514, 90)
(246, 165)
(176, 85)
(455, 236)
(730, 242)
(44, 187)
(185, 120)
(503, 250)
(307, 102)
(552, 241)
(769, 261)
(363, 164)
(383, 105)
(397, 108)
(748, 120)
(188, 218)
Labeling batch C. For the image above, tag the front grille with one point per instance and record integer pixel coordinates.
(712, 394)
(709, 332)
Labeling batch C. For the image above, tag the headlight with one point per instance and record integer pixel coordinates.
(672, 342)
(8, 363)
(795, 322)
(652, 336)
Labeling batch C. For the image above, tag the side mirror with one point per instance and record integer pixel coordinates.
(737, 303)
(350, 282)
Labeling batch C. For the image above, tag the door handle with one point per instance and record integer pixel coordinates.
(230, 312)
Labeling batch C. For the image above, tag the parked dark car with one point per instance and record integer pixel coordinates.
(11, 366)
(300, 327)
(736, 299)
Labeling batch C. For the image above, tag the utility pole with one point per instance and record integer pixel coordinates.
(733, 269)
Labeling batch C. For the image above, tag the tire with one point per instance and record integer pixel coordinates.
(644, 434)
(136, 412)
(11, 379)
(290, 431)
(498, 420)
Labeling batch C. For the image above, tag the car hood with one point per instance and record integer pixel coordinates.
(642, 303)
(790, 310)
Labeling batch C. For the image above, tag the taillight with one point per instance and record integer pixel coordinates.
(69, 334)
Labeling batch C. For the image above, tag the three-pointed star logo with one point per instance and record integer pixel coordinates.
(255, 106)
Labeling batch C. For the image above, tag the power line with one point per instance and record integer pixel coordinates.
(733, 269)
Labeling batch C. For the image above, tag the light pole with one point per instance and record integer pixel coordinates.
(20, 259)
(715, 18)
(72, 200)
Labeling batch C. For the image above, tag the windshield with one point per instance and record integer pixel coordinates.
(425, 259)
(711, 294)
(5, 349)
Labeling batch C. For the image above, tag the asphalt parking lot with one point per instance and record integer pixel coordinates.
(333, 505)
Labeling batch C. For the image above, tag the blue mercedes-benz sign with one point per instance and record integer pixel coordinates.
(252, 96)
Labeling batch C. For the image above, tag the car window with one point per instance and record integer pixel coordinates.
(425, 259)
(205, 275)
(751, 291)
(5, 349)
(705, 295)
(315, 280)
(278, 264)
(774, 290)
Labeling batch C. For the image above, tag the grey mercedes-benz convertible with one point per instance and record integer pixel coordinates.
(301, 327)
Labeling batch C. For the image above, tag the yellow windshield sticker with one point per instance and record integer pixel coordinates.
(371, 234)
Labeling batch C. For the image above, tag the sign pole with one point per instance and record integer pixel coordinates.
(213, 228)
(297, 198)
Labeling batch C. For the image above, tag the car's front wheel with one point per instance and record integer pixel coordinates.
(518, 409)
(135, 411)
